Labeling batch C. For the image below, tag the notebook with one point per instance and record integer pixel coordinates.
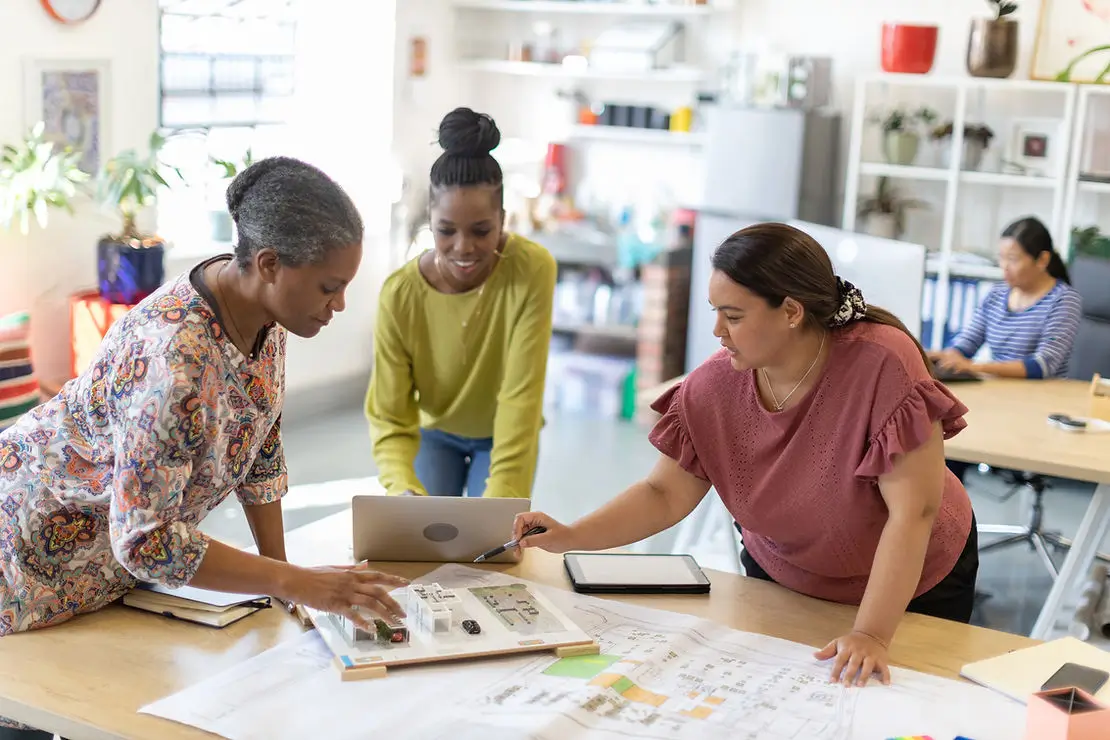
(1021, 673)
(211, 608)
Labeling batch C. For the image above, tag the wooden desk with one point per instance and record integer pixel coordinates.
(1007, 427)
(87, 679)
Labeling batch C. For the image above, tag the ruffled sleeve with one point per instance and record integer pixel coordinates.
(910, 425)
(671, 435)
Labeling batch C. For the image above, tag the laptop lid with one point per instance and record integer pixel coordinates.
(438, 529)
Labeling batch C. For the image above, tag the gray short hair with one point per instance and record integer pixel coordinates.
(293, 208)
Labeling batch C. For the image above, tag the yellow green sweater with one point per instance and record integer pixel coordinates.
(484, 379)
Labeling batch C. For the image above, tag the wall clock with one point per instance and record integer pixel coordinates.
(71, 11)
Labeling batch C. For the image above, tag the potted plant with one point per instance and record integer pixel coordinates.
(35, 177)
(131, 264)
(884, 213)
(1090, 242)
(977, 137)
(992, 45)
(900, 129)
(219, 218)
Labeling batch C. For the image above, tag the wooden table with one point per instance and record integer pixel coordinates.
(1007, 427)
(88, 678)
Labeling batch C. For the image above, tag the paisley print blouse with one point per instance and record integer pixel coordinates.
(105, 484)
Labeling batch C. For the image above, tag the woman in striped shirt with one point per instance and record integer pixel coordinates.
(1029, 321)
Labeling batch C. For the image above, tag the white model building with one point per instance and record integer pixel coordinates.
(429, 606)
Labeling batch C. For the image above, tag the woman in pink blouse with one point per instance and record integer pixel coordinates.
(105, 485)
(821, 427)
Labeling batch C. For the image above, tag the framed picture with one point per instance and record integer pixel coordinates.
(1033, 147)
(72, 98)
(1072, 36)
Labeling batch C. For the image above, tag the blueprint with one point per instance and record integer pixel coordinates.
(659, 675)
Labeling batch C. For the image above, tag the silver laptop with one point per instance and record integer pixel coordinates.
(439, 529)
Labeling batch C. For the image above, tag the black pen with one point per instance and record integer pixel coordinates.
(508, 545)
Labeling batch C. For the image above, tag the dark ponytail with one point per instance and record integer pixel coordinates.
(1034, 239)
(467, 139)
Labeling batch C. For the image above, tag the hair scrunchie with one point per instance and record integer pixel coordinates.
(852, 305)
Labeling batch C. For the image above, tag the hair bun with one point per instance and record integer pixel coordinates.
(465, 133)
(246, 179)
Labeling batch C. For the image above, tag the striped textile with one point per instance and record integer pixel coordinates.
(19, 390)
(1040, 336)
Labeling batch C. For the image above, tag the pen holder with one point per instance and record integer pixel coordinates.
(1065, 714)
(1100, 398)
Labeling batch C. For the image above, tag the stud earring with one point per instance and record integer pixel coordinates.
(793, 325)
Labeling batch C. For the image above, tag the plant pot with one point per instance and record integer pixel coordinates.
(883, 225)
(992, 47)
(900, 147)
(126, 273)
(972, 155)
(909, 49)
(221, 225)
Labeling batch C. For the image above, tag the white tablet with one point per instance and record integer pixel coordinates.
(635, 574)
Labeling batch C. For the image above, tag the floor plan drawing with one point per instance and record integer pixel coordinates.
(659, 675)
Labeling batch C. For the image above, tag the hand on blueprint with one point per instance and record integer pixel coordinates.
(858, 657)
(557, 538)
(339, 589)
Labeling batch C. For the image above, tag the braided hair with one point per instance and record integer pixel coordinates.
(467, 139)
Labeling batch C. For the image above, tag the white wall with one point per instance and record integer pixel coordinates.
(41, 271)
(343, 124)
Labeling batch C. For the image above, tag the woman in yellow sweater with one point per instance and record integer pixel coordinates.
(460, 347)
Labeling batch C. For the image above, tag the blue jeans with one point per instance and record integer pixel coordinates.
(448, 465)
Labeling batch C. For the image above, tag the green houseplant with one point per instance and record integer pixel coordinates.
(35, 177)
(977, 138)
(992, 45)
(218, 217)
(884, 213)
(1091, 242)
(131, 264)
(901, 132)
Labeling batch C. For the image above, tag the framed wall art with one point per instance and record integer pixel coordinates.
(72, 98)
(1073, 41)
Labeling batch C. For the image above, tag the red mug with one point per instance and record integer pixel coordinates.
(909, 49)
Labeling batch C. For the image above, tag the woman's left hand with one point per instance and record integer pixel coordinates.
(858, 656)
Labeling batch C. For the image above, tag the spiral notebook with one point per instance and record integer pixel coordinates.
(210, 608)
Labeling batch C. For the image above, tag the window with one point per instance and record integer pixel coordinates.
(226, 89)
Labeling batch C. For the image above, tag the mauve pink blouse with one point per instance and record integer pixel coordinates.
(803, 482)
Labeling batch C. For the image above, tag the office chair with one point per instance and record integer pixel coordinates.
(1090, 355)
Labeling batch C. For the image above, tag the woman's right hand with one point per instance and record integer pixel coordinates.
(558, 537)
(349, 590)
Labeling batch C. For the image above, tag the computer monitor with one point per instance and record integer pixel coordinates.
(890, 273)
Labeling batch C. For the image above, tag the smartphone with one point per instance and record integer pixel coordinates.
(1073, 675)
(1067, 423)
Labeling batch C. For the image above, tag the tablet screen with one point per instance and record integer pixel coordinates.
(637, 570)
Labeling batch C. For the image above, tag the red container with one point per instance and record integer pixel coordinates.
(909, 49)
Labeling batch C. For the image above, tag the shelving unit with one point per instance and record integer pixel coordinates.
(623, 134)
(584, 7)
(577, 72)
(1075, 186)
(943, 263)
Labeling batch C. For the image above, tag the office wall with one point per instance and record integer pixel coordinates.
(343, 123)
(40, 271)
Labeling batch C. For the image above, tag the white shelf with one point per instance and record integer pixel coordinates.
(567, 71)
(905, 172)
(1102, 188)
(964, 269)
(968, 83)
(584, 7)
(938, 174)
(637, 136)
(1007, 180)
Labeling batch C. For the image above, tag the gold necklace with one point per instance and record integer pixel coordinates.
(478, 299)
(767, 379)
(227, 309)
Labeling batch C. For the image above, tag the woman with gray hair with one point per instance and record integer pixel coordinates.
(105, 485)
